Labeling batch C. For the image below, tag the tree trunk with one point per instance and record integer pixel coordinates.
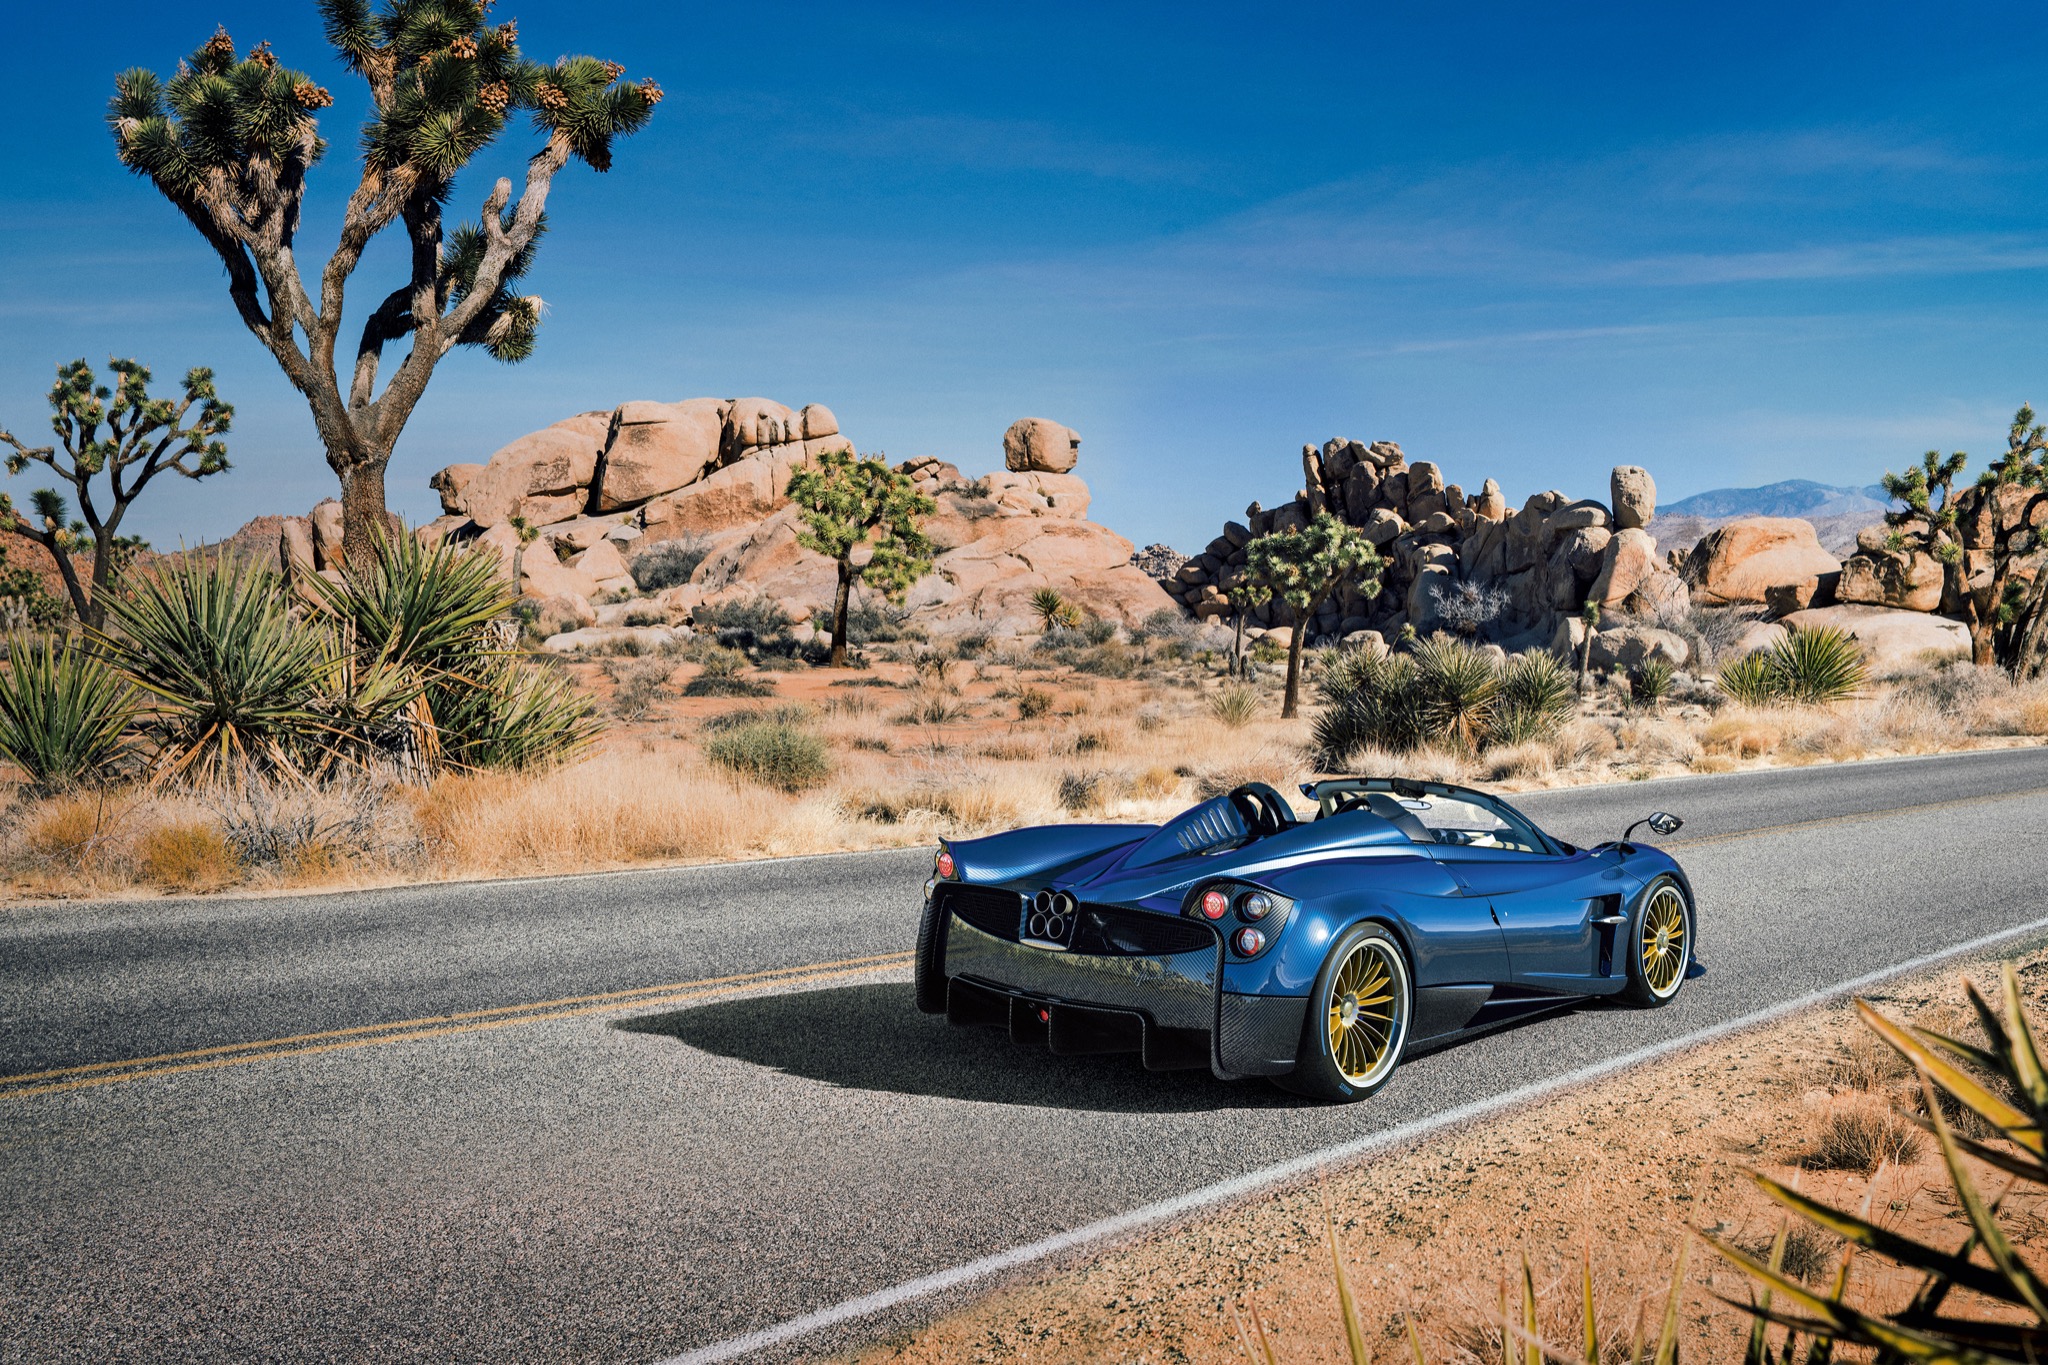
(79, 603)
(1982, 629)
(1237, 644)
(1291, 702)
(839, 599)
(1585, 659)
(364, 520)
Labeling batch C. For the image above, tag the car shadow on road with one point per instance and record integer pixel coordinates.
(871, 1037)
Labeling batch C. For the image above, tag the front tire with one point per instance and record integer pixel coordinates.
(1660, 946)
(1358, 1015)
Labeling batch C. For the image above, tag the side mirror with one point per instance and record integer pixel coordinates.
(1660, 822)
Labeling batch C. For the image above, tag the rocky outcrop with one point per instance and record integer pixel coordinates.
(1743, 560)
(1893, 640)
(1532, 568)
(1896, 565)
(594, 489)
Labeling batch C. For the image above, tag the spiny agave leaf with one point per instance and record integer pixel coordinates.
(1532, 1349)
(1962, 1085)
(1907, 1252)
(2015, 1271)
(1667, 1340)
(2026, 1055)
(1354, 1333)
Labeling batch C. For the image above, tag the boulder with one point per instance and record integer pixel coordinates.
(1627, 647)
(326, 521)
(1490, 505)
(656, 448)
(583, 532)
(603, 563)
(1744, 559)
(1383, 527)
(1033, 444)
(1909, 579)
(440, 529)
(751, 423)
(543, 476)
(451, 483)
(1662, 596)
(295, 547)
(1584, 513)
(556, 615)
(1894, 640)
(1628, 564)
(818, 422)
(647, 638)
(1818, 591)
(1632, 494)
(542, 575)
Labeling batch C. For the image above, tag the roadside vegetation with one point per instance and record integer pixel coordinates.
(226, 731)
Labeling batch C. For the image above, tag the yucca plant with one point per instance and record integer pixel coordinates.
(1048, 605)
(1536, 699)
(1236, 705)
(1370, 700)
(1649, 682)
(1820, 666)
(1459, 688)
(2003, 1083)
(229, 670)
(1753, 679)
(64, 713)
(515, 715)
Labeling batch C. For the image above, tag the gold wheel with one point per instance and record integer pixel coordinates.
(1365, 1006)
(1664, 941)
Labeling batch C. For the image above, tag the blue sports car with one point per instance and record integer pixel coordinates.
(1316, 952)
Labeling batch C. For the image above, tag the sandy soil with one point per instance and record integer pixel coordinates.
(1616, 1172)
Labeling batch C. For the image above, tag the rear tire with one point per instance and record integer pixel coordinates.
(1358, 1015)
(1659, 945)
(928, 976)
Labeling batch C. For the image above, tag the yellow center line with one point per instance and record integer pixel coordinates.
(465, 1021)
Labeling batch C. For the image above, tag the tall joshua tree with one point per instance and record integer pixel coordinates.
(1302, 568)
(123, 433)
(867, 518)
(231, 139)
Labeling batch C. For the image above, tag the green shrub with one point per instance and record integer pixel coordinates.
(772, 749)
(668, 563)
(1097, 630)
(1650, 683)
(1536, 699)
(1458, 686)
(1370, 700)
(1033, 702)
(1752, 679)
(1820, 666)
(722, 677)
(1235, 704)
(64, 713)
(514, 715)
(755, 623)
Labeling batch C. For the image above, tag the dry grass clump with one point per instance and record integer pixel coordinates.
(1745, 732)
(1860, 1138)
(615, 809)
(1526, 762)
(1658, 741)
(187, 855)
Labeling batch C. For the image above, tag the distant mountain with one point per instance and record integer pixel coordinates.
(1790, 498)
(1837, 513)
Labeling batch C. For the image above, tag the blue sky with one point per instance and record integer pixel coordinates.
(1734, 243)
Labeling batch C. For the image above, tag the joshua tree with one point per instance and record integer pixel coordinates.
(2003, 611)
(1590, 614)
(1302, 568)
(864, 516)
(1245, 596)
(231, 139)
(124, 434)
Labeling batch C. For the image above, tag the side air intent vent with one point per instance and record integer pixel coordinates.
(987, 909)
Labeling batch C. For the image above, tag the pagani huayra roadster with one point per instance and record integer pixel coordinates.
(1239, 937)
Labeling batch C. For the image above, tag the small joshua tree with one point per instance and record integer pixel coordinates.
(231, 140)
(865, 517)
(1302, 568)
(1590, 614)
(120, 432)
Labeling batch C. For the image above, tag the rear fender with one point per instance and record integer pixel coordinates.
(1058, 850)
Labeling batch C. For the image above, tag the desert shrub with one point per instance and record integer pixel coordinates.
(1371, 700)
(722, 676)
(1523, 761)
(1535, 701)
(773, 751)
(668, 563)
(1033, 702)
(1049, 607)
(754, 623)
(1236, 705)
(970, 645)
(1649, 682)
(1859, 1139)
(1098, 630)
(644, 614)
(64, 713)
(1107, 659)
(933, 706)
(871, 623)
(290, 827)
(187, 855)
(515, 716)
(1817, 667)
(1458, 688)
(1080, 790)
(1149, 718)
(1468, 608)
(1267, 650)
(637, 685)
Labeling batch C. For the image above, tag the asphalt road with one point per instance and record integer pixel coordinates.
(620, 1117)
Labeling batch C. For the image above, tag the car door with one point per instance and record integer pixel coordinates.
(1550, 908)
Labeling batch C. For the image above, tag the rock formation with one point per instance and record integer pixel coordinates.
(1537, 566)
(594, 489)
(1895, 566)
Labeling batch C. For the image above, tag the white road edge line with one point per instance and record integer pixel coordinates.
(732, 1348)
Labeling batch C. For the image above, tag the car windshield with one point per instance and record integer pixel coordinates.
(1462, 819)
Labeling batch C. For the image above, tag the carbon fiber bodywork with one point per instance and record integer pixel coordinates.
(1199, 942)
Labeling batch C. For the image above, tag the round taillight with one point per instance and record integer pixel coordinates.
(1248, 942)
(1255, 905)
(945, 863)
(1215, 905)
